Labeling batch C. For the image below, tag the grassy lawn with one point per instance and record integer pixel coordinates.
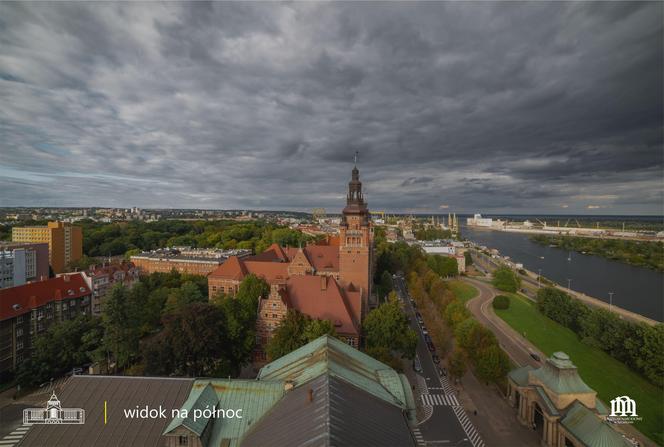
(462, 290)
(607, 376)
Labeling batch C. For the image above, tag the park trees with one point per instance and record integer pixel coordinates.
(444, 266)
(501, 302)
(506, 280)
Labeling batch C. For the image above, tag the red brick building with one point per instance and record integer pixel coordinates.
(28, 310)
(329, 281)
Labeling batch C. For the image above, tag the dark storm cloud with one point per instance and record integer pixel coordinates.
(495, 107)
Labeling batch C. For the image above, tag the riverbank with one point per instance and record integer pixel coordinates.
(574, 232)
(612, 379)
(641, 254)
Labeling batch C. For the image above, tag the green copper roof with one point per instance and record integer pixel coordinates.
(520, 375)
(560, 375)
(588, 428)
(547, 402)
(253, 397)
(329, 355)
(199, 399)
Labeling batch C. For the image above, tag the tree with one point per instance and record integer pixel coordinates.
(294, 331)
(501, 302)
(251, 289)
(444, 266)
(456, 365)
(385, 285)
(186, 294)
(492, 364)
(387, 327)
(468, 258)
(194, 342)
(63, 346)
(121, 326)
(506, 280)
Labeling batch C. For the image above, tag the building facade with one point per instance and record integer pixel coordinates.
(328, 281)
(556, 402)
(65, 242)
(28, 310)
(22, 262)
(101, 279)
(184, 260)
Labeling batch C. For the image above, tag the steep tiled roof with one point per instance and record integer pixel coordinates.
(271, 271)
(274, 253)
(306, 294)
(321, 257)
(19, 300)
(232, 268)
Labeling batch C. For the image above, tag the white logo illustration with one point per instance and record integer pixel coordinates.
(53, 414)
(623, 406)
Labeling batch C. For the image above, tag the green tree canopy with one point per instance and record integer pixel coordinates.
(294, 331)
(506, 280)
(387, 326)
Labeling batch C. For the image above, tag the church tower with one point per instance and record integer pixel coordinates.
(356, 242)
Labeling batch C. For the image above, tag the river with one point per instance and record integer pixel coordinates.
(637, 289)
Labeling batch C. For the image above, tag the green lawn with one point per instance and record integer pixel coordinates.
(607, 376)
(462, 290)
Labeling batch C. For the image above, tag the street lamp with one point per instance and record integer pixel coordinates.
(539, 275)
(610, 301)
(569, 284)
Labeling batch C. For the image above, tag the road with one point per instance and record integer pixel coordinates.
(447, 422)
(516, 347)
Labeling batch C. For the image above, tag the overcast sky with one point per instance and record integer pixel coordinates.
(495, 108)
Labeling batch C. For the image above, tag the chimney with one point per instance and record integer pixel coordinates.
(311, 395)
(323, 282)
(288, 385)
(65, 278)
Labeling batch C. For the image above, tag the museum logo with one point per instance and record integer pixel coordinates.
(53, 414)
(623, 411)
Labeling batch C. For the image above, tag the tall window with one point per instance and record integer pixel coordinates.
(183, 440)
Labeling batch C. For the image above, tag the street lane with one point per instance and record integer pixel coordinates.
(447, 424)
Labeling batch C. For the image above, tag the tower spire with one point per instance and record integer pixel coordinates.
(356, 155)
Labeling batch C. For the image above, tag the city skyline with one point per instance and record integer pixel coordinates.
(549, 108)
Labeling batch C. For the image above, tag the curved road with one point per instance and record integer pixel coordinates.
(512, 343)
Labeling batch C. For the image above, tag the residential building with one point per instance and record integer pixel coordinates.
(22, 262)
(101, 279)
(65, 242)
(555, 401)
(184, 260)
(345, 264)
(28, 310)
(325, 391)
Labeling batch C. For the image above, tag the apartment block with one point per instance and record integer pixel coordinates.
(28, 310)
(65, 242)
(22, 262)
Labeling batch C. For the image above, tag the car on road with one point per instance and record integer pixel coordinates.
(427, 338)
(431, 347)
(435, 359)
(535, 357)
(412, 301)
(424, 330)
(417, 366)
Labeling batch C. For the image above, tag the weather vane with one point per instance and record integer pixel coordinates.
(356, 154)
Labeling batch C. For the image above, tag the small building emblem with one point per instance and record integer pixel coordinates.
(623, 406)
(53, 414)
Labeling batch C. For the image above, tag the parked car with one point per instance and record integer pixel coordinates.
(424, 330)
(431, 347)
(417, 366)
(435, 359)
(427, 338)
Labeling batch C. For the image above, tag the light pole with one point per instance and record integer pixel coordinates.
(569, 284)
(610, 301)
(539, 275)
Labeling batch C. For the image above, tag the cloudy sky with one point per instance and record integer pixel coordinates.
(502, 107)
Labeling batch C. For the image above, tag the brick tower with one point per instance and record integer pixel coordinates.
(356, 242)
